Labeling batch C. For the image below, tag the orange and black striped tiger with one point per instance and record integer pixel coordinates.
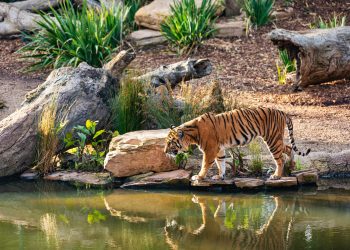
(214, 133)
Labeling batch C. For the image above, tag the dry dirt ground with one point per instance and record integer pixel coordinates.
(246, 69)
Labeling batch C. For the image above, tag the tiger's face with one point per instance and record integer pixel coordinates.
(175, 142)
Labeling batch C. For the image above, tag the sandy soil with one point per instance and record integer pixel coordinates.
(245, 67)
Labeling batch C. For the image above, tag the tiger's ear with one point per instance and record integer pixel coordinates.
(172, 127)
(180, 133)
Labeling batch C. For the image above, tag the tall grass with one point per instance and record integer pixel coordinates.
(284, 66)
(255, 152)
(48, 139)
(258, 11)
(188, 25)
(73, 36)
(333, 22)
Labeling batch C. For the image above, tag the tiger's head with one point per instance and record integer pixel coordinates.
(177, 141)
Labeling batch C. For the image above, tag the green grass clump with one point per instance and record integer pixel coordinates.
(187, 26)
(258, 11)
(285, 66)
(76, 35)
(257, 163)
(335, 21)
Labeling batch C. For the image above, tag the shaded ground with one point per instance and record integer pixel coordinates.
(246, 69)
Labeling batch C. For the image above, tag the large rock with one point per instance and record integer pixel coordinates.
(232, 7)
(153, 14)
(306, 177)
(138, 152)
(178, 177)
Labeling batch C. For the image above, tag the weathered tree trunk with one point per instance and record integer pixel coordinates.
(35, 5)
(78, 93)
(322, 55)
(14, 20)
(177, 72)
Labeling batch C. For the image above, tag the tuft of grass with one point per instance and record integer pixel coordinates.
(258, 12)
(298, 165)
(48, 139)
(284, 66)
(255, 152)
(333, 22)
(73, 36)
(187, 26)
(281, 74)
(134, 6)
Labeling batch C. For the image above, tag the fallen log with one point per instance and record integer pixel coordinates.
(322, 55)
(175, 73)
(78, 94)
(35, 5)
(14, 20)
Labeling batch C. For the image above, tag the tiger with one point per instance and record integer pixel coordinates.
(213, 133)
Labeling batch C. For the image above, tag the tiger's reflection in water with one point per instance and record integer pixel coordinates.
(226, 224)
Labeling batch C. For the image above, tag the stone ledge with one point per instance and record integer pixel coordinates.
(283, 182)
(248, 183)
(210, 183)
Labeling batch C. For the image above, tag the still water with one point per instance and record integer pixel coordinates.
(39, 215)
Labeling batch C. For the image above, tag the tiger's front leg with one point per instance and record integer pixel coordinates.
(208, 161)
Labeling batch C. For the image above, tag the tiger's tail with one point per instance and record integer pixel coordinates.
(291, 138)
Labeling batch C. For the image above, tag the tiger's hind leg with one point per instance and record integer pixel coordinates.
(208, 161)
(277, 150)
(220, 163)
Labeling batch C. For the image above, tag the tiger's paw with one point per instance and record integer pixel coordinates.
(217, 177)
(275, 177)
(196, 178)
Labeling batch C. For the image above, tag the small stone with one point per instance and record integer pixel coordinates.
(29, 175)
(178, 177)
(248, 182)
(230, 29)
(283, 182)
(145, 37)
(210, 182)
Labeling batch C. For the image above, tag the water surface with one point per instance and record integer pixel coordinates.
(39, 215)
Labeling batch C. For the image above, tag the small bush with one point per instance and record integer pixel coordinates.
(88, 146)
(74, 36)
(258, 11)
(335, 21)
(188, 26)
(255, 152)
(48, 139)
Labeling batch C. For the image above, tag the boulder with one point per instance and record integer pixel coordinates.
(283, 182)
(178, 177)
(248, 183)
(138, 152)
(153, 14)
(146, 37)
(230, 28)
(232, 7)
(82, 178)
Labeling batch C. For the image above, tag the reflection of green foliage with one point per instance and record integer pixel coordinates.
(63, 218)
(230, 219)
(95, 217)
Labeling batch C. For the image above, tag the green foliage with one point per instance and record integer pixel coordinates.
(88, 145)
(255, 152)
(182, 157)
(298, 165)
(134, 6)
(258, 11)
(289, 64)
(74, 36)
(335, 21)
(237, 160)
(95, 217)
(281, 73)
(187, 26)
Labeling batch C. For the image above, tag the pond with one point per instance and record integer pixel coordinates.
(41, 215)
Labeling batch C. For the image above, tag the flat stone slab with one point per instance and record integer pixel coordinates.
(306, 177)
(178, 177)
(145, 37)
(283, 182)
(81, 178)
(210, 182)
(233, 28)
(248, 182)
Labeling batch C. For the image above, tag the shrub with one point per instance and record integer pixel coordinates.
(188, 26)
(287, 66)
(335, 21)
(258, 11)
(48, 139)
(74, 36)
(88, 145)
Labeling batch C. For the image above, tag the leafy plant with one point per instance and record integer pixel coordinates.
(187, 26)
(88, 145)
(48, 131)
(298, 165)
(335, 21)
(289, 64)
(237, 160)
(258, 11)
(182, 158)
(281, 73)
(133, 6)
(74, 36)
(256, 163)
